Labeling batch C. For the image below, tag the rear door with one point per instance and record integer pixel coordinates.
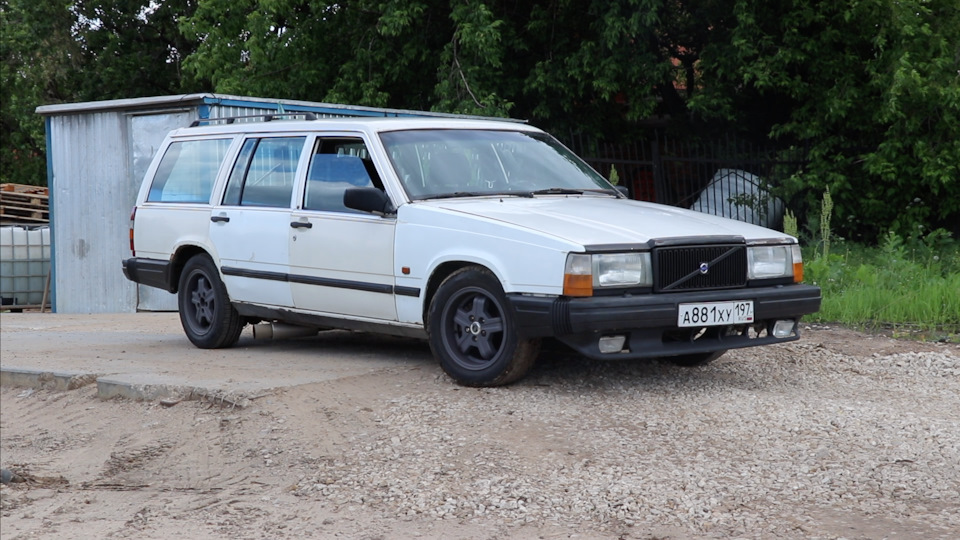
(249, 229)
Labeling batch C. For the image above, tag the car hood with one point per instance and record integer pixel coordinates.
(594, 220)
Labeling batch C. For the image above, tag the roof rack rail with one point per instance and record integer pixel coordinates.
(266, 118)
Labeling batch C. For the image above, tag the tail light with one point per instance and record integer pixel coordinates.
(133, 216)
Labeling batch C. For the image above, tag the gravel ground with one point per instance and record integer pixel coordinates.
(839, 435)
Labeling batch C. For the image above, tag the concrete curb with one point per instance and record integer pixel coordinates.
(112, 387)
(47, 380)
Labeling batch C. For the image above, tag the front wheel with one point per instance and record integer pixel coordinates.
(206, 314)
(472, 331)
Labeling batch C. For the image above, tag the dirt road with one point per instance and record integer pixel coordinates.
(346, 435)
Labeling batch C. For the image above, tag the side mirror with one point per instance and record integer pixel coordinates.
(624, 191)
(368, 199)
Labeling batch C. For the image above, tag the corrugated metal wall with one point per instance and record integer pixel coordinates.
(224, 111)
(221, 111)
(90, 187)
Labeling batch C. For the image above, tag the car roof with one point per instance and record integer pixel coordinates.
(353, 124)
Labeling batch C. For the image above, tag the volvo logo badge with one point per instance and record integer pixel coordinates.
(704, 268)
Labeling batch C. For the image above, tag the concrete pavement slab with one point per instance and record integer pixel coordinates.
(146, 356)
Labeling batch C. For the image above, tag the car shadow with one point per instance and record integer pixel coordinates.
(556, 366)
(559, 365)
(355, 345)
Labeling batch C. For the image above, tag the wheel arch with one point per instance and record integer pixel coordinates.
(183, 254)
(471, 327)
(440, 273)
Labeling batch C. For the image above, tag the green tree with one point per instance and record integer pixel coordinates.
(271, 48)
(572, 63)
(60, 51)
(38, 64)
(132, 48)
(873, 88)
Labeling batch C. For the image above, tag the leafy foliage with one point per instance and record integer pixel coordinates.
(37, 65)
(564, 63)
(132, 48)
(870, 88)
(80, 50)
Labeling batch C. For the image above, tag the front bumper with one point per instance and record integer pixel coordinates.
(649, 321)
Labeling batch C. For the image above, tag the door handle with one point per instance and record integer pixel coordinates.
(219, 219)
(301, 224)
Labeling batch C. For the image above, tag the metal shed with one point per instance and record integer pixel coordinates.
(97, 154)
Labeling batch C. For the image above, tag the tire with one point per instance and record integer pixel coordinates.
(472, 331)
(694, 360)
(206, 314)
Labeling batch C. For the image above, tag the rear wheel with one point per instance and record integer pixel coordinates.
(206, 314)
(473, 333)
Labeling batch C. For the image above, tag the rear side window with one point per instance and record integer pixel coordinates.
(187, 171)
(264, 173)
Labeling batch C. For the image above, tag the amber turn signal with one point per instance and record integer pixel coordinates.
(577, 285)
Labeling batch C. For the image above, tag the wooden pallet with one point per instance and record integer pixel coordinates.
(20, 204)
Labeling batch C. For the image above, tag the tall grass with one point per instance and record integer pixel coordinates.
(909, 284)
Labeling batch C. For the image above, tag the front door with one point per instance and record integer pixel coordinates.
(341, 260)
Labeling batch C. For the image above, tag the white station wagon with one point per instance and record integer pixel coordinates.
(482, 236)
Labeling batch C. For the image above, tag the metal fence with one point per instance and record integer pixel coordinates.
(679, 172)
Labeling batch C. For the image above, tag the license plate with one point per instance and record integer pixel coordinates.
(715, 313)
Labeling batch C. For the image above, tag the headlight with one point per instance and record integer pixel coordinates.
(585, 272)
(770, 262)
(621, 269)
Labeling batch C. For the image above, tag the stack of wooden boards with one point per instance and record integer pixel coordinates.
(21, 204)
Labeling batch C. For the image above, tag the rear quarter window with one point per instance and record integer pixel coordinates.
(187, 171)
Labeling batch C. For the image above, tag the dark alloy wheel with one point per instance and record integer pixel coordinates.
(472, 331)
(208, 318)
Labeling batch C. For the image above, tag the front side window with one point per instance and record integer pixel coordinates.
(453, 162)
(187, 171)
(336, 165)
(264, 173)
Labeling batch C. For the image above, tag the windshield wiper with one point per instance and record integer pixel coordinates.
(479, 194)
(455, 195)
(557, 191)
(572, 191)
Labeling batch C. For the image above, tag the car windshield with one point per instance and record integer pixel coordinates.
(447, 163)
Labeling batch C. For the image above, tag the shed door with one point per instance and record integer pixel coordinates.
(146, 134)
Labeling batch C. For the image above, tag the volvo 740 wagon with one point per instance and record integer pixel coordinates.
(483, 237)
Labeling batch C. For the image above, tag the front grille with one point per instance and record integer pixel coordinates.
(678, 268)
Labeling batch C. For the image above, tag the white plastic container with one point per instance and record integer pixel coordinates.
(24, 264)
